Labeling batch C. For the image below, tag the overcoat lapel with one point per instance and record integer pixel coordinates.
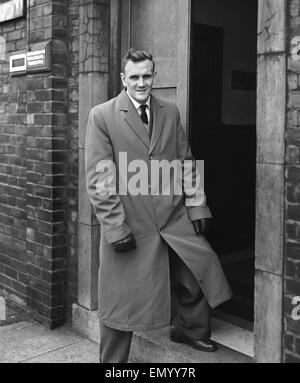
(158, 120)
(133, 119)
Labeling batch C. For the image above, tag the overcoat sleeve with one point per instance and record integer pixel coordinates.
(108, 207)
(195, 199)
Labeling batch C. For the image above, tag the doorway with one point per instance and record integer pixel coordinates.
(223, 134)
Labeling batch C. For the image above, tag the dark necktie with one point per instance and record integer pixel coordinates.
(144, 116)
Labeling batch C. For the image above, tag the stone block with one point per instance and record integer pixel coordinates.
(88, 265)
(271, 26)
(269, 218)
(271, 108)
(86, 211)
(86, 322)
(268, 318)
(93, 90)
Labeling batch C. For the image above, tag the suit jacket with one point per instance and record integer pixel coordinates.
(134, 287)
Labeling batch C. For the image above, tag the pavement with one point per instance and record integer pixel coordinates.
(23, 340)
(30, 342)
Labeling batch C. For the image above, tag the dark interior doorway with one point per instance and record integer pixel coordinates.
(229, 152)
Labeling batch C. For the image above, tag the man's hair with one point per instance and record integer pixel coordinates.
(136, 55)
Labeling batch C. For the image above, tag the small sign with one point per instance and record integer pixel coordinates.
(17, 63)
(12, 9)
(38, 59)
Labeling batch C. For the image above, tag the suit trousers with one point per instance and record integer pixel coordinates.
(191, 314)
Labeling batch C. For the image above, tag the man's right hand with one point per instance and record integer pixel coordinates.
(124, 245)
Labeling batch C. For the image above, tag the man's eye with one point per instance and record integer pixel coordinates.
(147, 77)
(134, 77)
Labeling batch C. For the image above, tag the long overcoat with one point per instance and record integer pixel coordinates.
(134, 287)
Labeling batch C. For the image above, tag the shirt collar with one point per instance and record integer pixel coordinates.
(138, 104)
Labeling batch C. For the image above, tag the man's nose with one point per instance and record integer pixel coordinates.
(141, 82)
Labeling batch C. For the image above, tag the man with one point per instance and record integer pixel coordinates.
(148, 239)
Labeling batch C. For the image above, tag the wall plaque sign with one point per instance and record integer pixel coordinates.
(12, 9)
(36, 60)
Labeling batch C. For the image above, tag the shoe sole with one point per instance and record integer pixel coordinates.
(178, 339)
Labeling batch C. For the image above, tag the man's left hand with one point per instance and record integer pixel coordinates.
(202, 226)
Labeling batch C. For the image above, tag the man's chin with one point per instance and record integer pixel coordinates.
(143, 97)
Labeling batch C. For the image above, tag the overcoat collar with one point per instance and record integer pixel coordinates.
(133, 119)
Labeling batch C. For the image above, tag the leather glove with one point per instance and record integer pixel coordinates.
(202, 226)
(125, 244)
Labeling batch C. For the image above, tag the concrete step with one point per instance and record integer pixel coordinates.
(232, 336)
(236, 344)
(156, 347)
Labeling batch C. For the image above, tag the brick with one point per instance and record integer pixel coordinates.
(293, 231)
(46, 299)
(55, 83)
(297, 348)
(289, 343)
(35, 83)
(10, 272)
(33, 248)
(291, 358)
(292, 287)
(293, 250)
(290, 269)
(43, 119)
(37, 36)
(39, 154)
(51, 264)
(23, 278)
(35, 107)
(43, 95)
(51, 312)
(14, 35)
(293, 213)
(46, 227)
(46, 287)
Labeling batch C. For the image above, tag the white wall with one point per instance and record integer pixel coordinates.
(238, 18)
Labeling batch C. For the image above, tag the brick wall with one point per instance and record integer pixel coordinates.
(39, 165)
(13, 131)
(34, 148)
(291, 334)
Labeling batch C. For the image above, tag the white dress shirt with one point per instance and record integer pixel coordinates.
(137, 106)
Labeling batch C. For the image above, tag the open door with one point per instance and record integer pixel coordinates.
(223, 133)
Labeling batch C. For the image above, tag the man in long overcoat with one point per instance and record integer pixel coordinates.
(148, 239)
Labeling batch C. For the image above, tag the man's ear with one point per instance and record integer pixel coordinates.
(122, 75)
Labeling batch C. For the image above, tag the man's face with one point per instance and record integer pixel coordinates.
(138, 79)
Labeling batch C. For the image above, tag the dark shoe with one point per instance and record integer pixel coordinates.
(206, 345)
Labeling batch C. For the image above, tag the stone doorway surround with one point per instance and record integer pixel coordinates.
(271, 111)
(93, 89)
